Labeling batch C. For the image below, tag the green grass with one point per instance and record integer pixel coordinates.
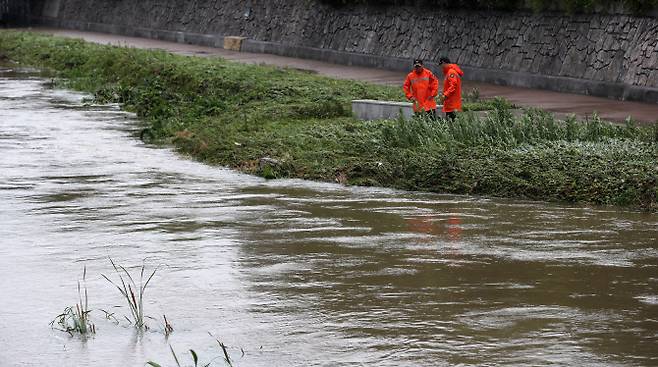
(233, 115)
(133, 293)
(225, 358)
(76, 319)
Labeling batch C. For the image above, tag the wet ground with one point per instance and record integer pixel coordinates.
(296, 273)
(560, 103)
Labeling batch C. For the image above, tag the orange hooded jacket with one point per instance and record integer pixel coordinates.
(423, 88)
(452, 88)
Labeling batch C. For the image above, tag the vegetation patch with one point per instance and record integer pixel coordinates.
(225, 358)
(280, 123)
(76, 319)
(133, 294)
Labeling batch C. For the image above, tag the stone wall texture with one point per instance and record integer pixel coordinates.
(616, 50)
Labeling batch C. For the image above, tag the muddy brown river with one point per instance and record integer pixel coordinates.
(297, 273)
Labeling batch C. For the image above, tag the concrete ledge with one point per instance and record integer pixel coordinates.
(369, 109)
(617, 91)
(233, 43)
(208, 40)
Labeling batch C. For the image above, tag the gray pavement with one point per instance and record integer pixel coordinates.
(560, 103)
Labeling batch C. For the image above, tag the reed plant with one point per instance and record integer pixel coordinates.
(75, 319)
(225, 358)
(195, 359)
(167, 327)
(132, 292)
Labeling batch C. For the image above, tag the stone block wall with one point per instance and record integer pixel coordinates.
(606, 54)
(14, 13)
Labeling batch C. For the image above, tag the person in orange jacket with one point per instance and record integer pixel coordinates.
(452, 88)
(421, 87)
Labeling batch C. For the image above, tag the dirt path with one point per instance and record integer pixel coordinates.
(560, 103)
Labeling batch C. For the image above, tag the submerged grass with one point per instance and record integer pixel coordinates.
(225, 357)
(233, 115)
(167, 328)
(76, 319)
(133, 293)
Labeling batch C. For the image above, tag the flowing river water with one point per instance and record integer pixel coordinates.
(297, 273)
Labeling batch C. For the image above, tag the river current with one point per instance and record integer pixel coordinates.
(296, 273)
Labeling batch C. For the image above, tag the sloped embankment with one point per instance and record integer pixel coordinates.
(231, 114)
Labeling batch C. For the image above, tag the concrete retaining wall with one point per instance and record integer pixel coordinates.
(614, 55)
(368, 109)
(14, 13)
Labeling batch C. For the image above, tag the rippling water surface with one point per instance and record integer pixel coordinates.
(296, 273)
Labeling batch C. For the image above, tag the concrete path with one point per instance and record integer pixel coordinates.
(560, 103)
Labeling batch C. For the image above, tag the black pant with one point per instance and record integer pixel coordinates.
(451, 115)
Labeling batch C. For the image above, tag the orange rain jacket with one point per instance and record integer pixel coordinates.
(423, 88)
(452, 88)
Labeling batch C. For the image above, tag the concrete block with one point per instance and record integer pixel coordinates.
(180, 37)
(368, 109)
(233, 43)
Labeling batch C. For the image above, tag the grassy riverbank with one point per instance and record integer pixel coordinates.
(232, 114)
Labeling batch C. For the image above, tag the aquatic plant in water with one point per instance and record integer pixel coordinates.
(131, 292)
(76, 319)
(167, 328)
(195, 359)
(225, 357)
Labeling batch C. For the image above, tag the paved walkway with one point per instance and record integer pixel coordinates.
(560, 103)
